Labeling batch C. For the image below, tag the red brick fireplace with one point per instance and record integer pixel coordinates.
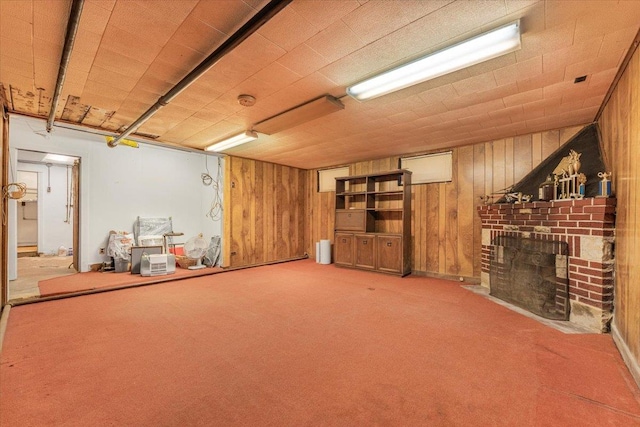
(587, 228)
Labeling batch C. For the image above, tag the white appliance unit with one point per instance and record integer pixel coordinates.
(157, 264)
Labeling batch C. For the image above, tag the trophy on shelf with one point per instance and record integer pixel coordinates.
(604, 189)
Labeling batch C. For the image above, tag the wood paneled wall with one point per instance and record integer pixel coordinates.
(4, 203)
(620, 127)
(264, 212)
(445, 226)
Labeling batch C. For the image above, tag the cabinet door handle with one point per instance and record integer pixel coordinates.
(364, 242)
(344, 240)
(349, 215)
(389, 244)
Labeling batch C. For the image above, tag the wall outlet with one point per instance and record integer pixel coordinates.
(101, 251)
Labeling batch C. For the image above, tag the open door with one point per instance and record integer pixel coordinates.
(75, 205)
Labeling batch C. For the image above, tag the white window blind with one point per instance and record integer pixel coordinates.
(429, 168)
(327, 178)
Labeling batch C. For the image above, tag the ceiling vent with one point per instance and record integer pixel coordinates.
(580, 79)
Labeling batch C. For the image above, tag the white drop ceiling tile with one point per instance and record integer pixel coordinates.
(100, 100)
(615, 18)
(431, 109)
(212, 134)
(224, 15)
(15, 30)
(105, 4)
(16, 9)
(75, 78)
(175, 10)
(193, 98)
(49, 27)
(118, 63)
(610, 60)
(93, 19)
(484, 107)
(516, 5)
(463, 16)
(565, 10)
(479, 83)
(335, 42)
(81, 61)
(17, 50)
(602, 78)
(153, 85)
(180, 56)
(554, 38)
(165, 71)
(197, 35)
(540, 105)
(288, 29)
(209, 115)
(404, 117)
(576, 53)
(523, 97)
(16, 66)
(215, 81)
(564, 107)
(9, 78)
(440, 93)
(120, 81)
(129, 44)
(618, 40)
(521, 70)
(387, 16)
(303, 60)
(277, 75)
(186, 129)
(86, 41)
(543, 80)
(594, 101)
(46, 73)
(46, 51)
(323, 14)
(135, 19)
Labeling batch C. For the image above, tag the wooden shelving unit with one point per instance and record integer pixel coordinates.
(373, 222)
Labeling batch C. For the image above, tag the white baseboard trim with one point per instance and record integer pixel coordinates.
(625, 352)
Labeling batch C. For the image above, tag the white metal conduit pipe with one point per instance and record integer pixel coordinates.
(250, 27)
(69, 40)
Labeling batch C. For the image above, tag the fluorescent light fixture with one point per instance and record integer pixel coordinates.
(486, 46)
(308, 111)
(233, 141)
(58, 158)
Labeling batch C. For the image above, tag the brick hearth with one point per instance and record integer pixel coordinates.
(587, 226)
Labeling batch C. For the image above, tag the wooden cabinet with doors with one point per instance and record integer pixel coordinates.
(373, 222)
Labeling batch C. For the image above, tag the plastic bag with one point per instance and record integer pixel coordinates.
(120, 245)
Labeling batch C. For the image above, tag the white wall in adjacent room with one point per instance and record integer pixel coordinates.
(50, 210)
(119, 184)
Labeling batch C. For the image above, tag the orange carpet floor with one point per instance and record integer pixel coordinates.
(303, 344)
(97, 280)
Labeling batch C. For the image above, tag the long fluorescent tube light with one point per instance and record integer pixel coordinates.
(50, 157)
(233, 141)
(486, 46)
(311, 110)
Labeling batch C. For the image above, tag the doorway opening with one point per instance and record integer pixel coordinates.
(47, 221)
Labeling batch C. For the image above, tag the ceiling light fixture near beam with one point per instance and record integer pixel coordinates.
(234, 141)
(486, 46)
(295, 116)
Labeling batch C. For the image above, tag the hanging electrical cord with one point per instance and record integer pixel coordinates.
(68, 197)
(215, 210)
(13, 190)
(49, 177)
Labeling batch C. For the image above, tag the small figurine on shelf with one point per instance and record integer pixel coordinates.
(604, 189)
(582, 181)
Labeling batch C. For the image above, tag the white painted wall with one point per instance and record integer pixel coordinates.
(119, 184)
(52, 230)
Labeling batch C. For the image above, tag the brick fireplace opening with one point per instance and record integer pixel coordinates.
(531, 273)
(580, 231)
